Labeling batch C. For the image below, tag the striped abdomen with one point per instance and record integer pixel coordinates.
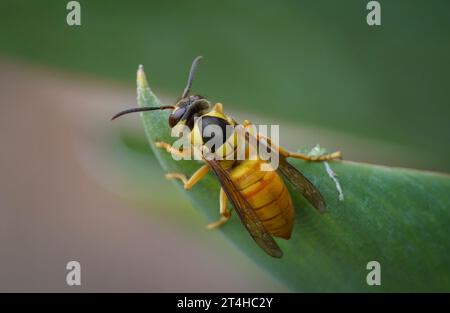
(267, 194)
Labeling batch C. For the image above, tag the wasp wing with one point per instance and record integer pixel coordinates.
(245, 212)
(302, 184)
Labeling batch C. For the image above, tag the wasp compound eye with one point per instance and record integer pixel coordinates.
(176, 116)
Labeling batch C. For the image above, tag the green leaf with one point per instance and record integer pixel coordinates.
(398, 217)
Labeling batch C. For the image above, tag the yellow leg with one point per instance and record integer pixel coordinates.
(225, 214)
(314, 158)
(195, 178)
(246, 123)
(172, 150)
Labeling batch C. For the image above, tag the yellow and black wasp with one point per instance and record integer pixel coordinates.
(260, 198)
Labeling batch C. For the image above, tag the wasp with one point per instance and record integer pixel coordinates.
(260, 198)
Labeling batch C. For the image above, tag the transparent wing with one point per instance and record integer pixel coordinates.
(297, 179)
(302, 184)
(245, 212)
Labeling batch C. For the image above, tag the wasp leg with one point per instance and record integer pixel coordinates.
(172, 150)
(314, 158)
(225, 214)
(246, 123)
(296, 155)
(195, 178)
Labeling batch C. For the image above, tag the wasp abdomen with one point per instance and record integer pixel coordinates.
(267, 194)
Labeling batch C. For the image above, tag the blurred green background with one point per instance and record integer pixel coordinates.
(315, 67)
(304, 61)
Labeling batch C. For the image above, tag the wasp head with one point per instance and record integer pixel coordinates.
(187, 109)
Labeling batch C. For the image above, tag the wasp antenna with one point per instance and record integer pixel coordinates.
(191, 76)
(133, 110)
